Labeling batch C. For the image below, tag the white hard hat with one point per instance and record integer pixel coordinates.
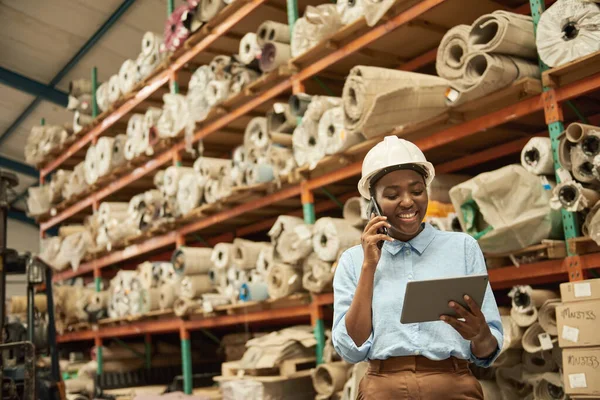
(393, 153)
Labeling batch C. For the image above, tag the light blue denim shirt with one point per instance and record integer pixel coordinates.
(431, 254)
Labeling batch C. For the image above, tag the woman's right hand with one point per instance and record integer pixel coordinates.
(371, 236)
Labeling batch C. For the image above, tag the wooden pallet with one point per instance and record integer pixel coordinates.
(573, 71)
(157, 314)
(293, 300)
(582, 245)
(548, 249)
(287, 368)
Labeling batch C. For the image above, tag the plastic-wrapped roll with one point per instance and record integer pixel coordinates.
(114, 89)
(110, 153)
(220, 67)
(131, 146)
(350, 10)
(173, 176)
(526, 302)
(146, 65)
(547, 316)
(167, 297)
(98, 301)
(135, 126)
(271, 31)
(151, 43)
(149, 274)
(539, 363)
(198, 105)
(91, 165)
(332, 235)
(317, 23)
(57, 184)
(201, 78)
(264, 261)
(331, 132)
(102, 97)
(74, 247)
(50, 248)
(259, 173)
(108, 211)
(567, 30)
(76, 183)
(504, 32)
(38, 200)
(330, 378)
(192, 260)
(307, 150)
(249, 49)
(573, 197)
(582, 166)
(174, 117)
(246, 252)
(217, 92)
(222, 255)
(452, 52)
(212, 168)
(189, 193)
(531, 341)
(536, 156)
(80, 121)
(318, 275)
(292, 239)
(283, 280)
(273, 55)
(128, 76)
(355, 211)
(282, 160)
(256, 134)
(175, 32)
(194, 286)
(210, 8)
(254, 291)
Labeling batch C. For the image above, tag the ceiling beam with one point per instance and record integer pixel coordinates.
(18, 166)
(118, 13)
(32, 87)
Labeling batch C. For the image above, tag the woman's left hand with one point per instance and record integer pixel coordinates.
(473, 328)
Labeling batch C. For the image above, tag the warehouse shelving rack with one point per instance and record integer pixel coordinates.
(477, 136)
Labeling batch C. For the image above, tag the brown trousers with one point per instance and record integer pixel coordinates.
(418, 378)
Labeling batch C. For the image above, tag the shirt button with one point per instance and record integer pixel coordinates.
(407, 251)
(418, 352)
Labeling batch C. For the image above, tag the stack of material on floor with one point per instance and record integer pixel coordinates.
(495, 51)
(43, 141)
(234, 345)
(317, 23)
(378, 100)
(578, 327)
(70, 303)
(579, 157)
(321, 131)
(568, 30)
(274, 39)
(270, 350)
(507, 210)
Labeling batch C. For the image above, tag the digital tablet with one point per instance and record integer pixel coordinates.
(428, 300)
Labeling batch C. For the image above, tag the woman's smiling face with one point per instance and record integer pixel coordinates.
(402, 197)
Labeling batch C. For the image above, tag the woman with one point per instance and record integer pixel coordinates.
(409, 361)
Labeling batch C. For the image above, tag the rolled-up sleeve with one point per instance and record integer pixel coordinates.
(489, 308)
(344, 287)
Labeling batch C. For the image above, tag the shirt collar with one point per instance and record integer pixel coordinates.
(419, 242)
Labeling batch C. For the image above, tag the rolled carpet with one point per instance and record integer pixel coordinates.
(264, 261)
(250, 50)
(173, 176)
(217, 91)
(452, 52)
(531, 340)
(128, 76)
(280, 119)
(377, 100)
(256, 135)
(548, 386)
(330, 378)
(355, 211)
(175, 115)
(273, 55)
(374, 10)
(316, 24)
(573, 197)
(271, 31)
(332, 135)
(222, 255)
(581, 166)
(91, 165)
(503, 32)
(350, 10)
(536, 156)
(246, 252)
(307, 149)
(292, 239)
(318, 275)
(189, 193)
(547, 316)
(102, 97)
(332, 235)
(568, 30)
(513, 333)
(167, 296)
(283, 280)
(526, 302)
(192, 260)
(114, 89)
(212, 168)
(194, 286)
(281, 159)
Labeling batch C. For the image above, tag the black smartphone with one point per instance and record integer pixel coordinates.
(375, 209)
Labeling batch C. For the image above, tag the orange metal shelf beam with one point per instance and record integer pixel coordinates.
(154, 84)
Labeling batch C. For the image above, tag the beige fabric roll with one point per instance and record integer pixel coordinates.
(189, 193)
(173, 176)
(128, 76)
(175, 116)
(355, 212)
(548, 386)
(38, 200)
(149, 300)
(76, 183)
(536, 156)
(192, 260)
(531, 341)
(215, 190)
(526, 302)
(332, 235)
(283, 280)
(249, 48)
(99, 301)
(292, 239)
(256, 135)
(102, 97)
(91, 165)
(350, 10)
(201, 78)
(377, 100)
(375, 10)
(241, 78)
(222, 255)
(217, 91)
(114, 89)
(573, 197)
(212, 168)
(246, 252)
(513, 333)
(512, 383)
(264, 261)
(504, 32)
(167, 296)
(57, 185)
(332, 135)
(330, 378)
(273, 55)
(194, 286)
(74, 247)
(270, 31)
(547, 316)
(307, 150)
(452, 52)
(318, 275)
(317, 23)
(539, 362)
(491, 390)
(282, 160)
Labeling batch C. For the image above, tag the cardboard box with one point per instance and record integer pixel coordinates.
(581, 368)
(578, 324)
(580, 291)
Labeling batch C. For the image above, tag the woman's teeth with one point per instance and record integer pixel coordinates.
(408, 215)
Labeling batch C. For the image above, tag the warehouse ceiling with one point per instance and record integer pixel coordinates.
(39, 38)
